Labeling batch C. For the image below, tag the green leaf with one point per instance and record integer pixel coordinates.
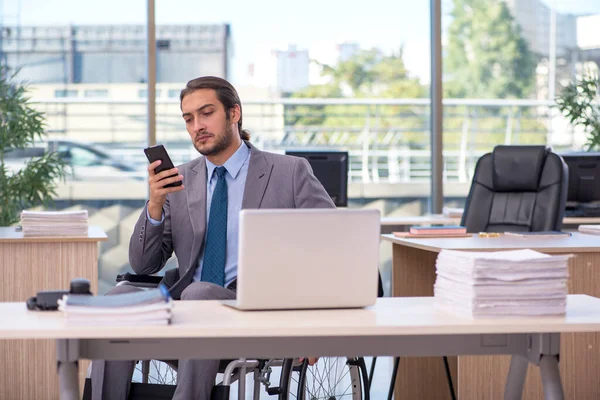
(21, 125)
(579, 103)
(486, 55)
(369, 73)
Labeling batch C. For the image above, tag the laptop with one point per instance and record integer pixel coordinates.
(307, 259)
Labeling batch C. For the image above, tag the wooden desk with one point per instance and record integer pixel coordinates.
(438, 219)
(29, 265)
(406, 327)
(413, 274)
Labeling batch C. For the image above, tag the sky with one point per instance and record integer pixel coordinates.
(260, 26)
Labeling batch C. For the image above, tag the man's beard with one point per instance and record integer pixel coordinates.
(221, 142)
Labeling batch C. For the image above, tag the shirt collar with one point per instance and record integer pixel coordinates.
(234, 164)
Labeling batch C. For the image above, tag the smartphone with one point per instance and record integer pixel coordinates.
(159, 152)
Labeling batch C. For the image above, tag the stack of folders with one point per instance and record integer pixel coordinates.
(54, 223)
(504, 283)
(147, 307)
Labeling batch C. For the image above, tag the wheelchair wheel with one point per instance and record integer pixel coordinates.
(158, 372)
(330, 378)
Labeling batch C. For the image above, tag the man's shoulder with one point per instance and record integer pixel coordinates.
(277, 158)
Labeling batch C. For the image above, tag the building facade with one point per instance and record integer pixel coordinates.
(114, 53)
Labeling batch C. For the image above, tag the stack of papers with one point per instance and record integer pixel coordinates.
(54, 223)
(452, 212)
(542, 234)
(438, 230)
(589, 229)
(504, 283)
(146, 307)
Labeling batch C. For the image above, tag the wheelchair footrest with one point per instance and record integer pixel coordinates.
(139, 391)
(219, 392)
(148, 391)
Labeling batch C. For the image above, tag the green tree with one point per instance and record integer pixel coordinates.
(20, 126)
(487, 56)
(368, 74)
(313, 114)
(371, 73)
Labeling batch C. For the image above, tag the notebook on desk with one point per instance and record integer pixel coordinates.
(307, 259)
(543, 234)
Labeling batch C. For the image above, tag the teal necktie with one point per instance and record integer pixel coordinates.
(213, 267)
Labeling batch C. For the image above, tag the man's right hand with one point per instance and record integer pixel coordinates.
(158, 193)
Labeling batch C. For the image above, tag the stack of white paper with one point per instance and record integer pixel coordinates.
(452, 212)
(510, 283)
(589, 229)
(148, 307)
(54, 223)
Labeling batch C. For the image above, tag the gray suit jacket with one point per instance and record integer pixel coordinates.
(273, 181)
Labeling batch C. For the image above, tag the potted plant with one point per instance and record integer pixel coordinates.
(579, 102)
(28, 181)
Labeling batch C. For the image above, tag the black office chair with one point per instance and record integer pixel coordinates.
(517, 188)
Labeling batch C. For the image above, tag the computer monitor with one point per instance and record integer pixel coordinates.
(331, 169)
(584, 177)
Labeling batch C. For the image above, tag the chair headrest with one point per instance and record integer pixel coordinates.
(518, 168)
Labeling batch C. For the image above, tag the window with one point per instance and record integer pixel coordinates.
(65, 93)
(498, 54)
(163, 44)
(143, 93)
(96, 93)
(78, 156)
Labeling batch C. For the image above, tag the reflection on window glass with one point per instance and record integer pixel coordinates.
(82, 157)
(143, 93)
(65, 93)
(77, 156)
(96, 93)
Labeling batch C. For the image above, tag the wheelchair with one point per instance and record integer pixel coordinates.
(330, 378)
(282, 379)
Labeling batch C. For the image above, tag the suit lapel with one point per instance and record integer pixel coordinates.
(259, 172)
(196, 199)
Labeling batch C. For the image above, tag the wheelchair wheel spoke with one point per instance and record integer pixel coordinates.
(330, 378)
(158, 373)
(317, 380)
(159, 376)
(342, 378)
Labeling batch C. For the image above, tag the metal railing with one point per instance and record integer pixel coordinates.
(388, 139)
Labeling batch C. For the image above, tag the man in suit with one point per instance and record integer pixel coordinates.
(198, 220)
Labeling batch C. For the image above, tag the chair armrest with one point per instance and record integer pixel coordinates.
(138, 280)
